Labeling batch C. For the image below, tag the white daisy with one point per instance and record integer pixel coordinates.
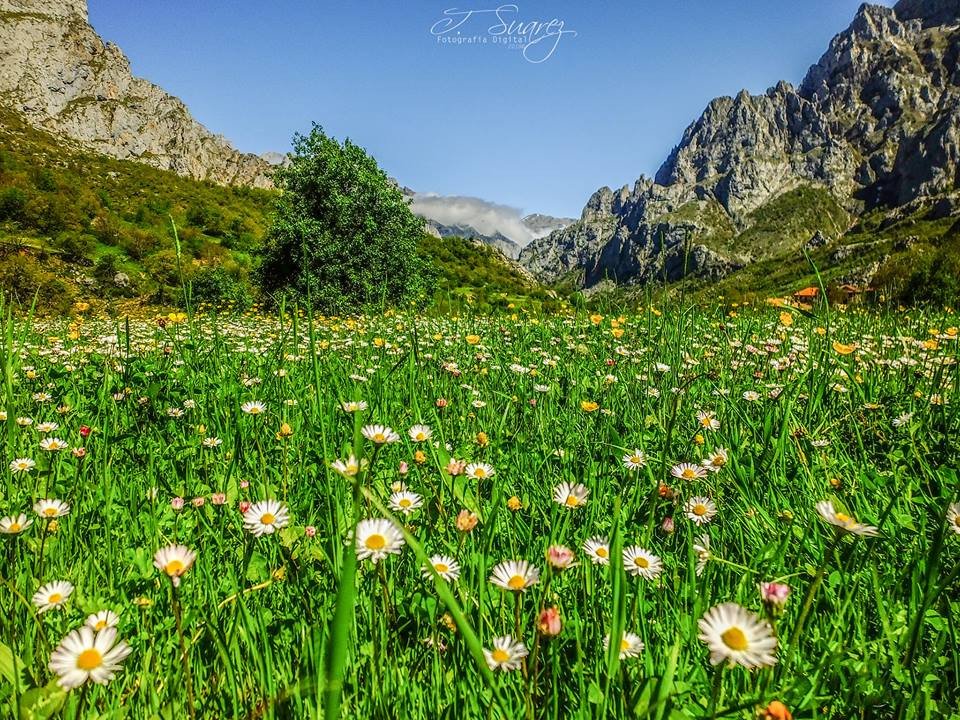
(445, 566)
(420, 433)
(506, 654)
(953, 518)
(405, 501)
(688, 471)
(634, 460)
(570, 495)
(100, 620)
(738, 637)
(515, 575)
(638, 561)
(265, 517)
(843, 521)
(52, 595)
(479, 471)
(14, 524)
(376, 538)
(630, 645)
(254, 407)
(53, 444)
(700, 509)
(51, 508)
(174, 561)
(22, 465)
(379, 434)
(87, 656)
(598, 550)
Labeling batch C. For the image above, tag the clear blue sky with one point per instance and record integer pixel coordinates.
(604, 108)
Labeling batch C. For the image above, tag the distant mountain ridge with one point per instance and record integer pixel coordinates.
(874, 124)
(58, 73)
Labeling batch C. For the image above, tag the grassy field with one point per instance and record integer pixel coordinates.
(602, 451)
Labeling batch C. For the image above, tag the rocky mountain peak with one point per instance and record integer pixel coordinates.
(62, 77)
(875, 123)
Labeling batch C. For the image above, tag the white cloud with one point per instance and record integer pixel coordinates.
(486, 217)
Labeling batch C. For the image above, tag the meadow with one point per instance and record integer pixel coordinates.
(674, 513)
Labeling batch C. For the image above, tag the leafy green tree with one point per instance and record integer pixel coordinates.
(342, 232)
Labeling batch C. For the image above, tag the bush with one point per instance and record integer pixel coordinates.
(214, 285)
(13, 201)
(342, 232)
(23, 279)
(76, 246)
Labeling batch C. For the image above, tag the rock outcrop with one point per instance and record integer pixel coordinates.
(876, 122)
(58, 73)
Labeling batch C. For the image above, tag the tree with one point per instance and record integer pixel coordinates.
(342, 233)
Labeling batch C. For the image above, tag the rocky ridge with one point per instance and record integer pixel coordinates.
(875, 122)
(60, 75)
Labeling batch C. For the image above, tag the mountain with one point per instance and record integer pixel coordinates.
(61, 76)
(873, 128)
(499, 226)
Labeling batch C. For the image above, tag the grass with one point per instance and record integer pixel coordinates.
(292, 624)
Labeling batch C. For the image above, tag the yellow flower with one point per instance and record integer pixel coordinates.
(514, 503)
(820, 331)
(786, 319)
(617, 333)
(589, 405)
(419, 457)
(596, 319)
(482, 439)
(472, 339)
(842, 349)
(285, 432)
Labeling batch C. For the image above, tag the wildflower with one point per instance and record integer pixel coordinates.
(79, 452)
(379, 434)
(53, 444)
(84, 655)
(285, 431)
(353, 406)
(514, 503)
(630, 645)
(212, 442)
(589, 406)
(405, 501)
(375, 538)
(560, 557)
(570, 495)
(455, 467)
(348, 468)
(953, 517)
(420, 433)
(174, 561)
(701, 549)
(774, 594)
(254, 407)
(688, 471)
(51, 508)
(842, 349)
(506, 654)
(466, 521)
(638, 561)
(716, 461)
(100, 620)
(52, 595)
(634, 460)
(700, 510)
(708, 420)
(47, 427)
(22, 465)
(843, 521)
(445, 566)
(218, 498)
(480, 471)
(902, 420)
(667, 526)
(310, 531)
(176, 503)
(515, 575)
(751, 396)
(265, 517)
(14, 524)
(549, 623)
(598, 550)
(776, 710)
(737, 637)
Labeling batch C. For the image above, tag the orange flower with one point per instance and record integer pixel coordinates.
(589, 405)
(617, 333)
(482, 439)
(776, 710)
(596, 318)
(842, 349)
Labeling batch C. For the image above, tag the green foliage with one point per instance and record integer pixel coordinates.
(342, 233)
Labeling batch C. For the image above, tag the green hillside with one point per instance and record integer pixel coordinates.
(76, 225)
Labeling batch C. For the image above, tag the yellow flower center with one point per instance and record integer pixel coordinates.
(500, 656)
(480, 472)
(14, 527)
(420, 437)
(101, 624)
(405, 503)
(624, 645)
(636, 459)
(641, 562)
(174, 567)
(50, 511)
(688, 473)
(379, 438)
(572, 501)
(841, 517)
(55, 598)
(441, 567)
(699, 509)
(517, 582)
(602, 552)
(254, 410)
(89, 659)
(268, 519)
(956, 520)
(735, 639)
(376, 542)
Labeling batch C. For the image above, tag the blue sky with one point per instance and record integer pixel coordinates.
(471, 119)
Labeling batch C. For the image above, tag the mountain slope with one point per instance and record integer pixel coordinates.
(875, 124)
(57, 72)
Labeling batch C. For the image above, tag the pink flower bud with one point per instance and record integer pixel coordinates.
(466, 521)
(774, 593)
(560, 557)
(84, 431)
(310, 531)
(549, 622)
(667, 525)
(79, 452)
(244, 505)
(218, 498)
(404, 468)
(441, 402)
(244, 483)
(176, 503)
(198, 502)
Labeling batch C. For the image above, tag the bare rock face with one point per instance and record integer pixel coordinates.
(63, 78)
(876, 121)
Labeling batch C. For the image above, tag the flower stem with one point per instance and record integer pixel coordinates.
(184, 658)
